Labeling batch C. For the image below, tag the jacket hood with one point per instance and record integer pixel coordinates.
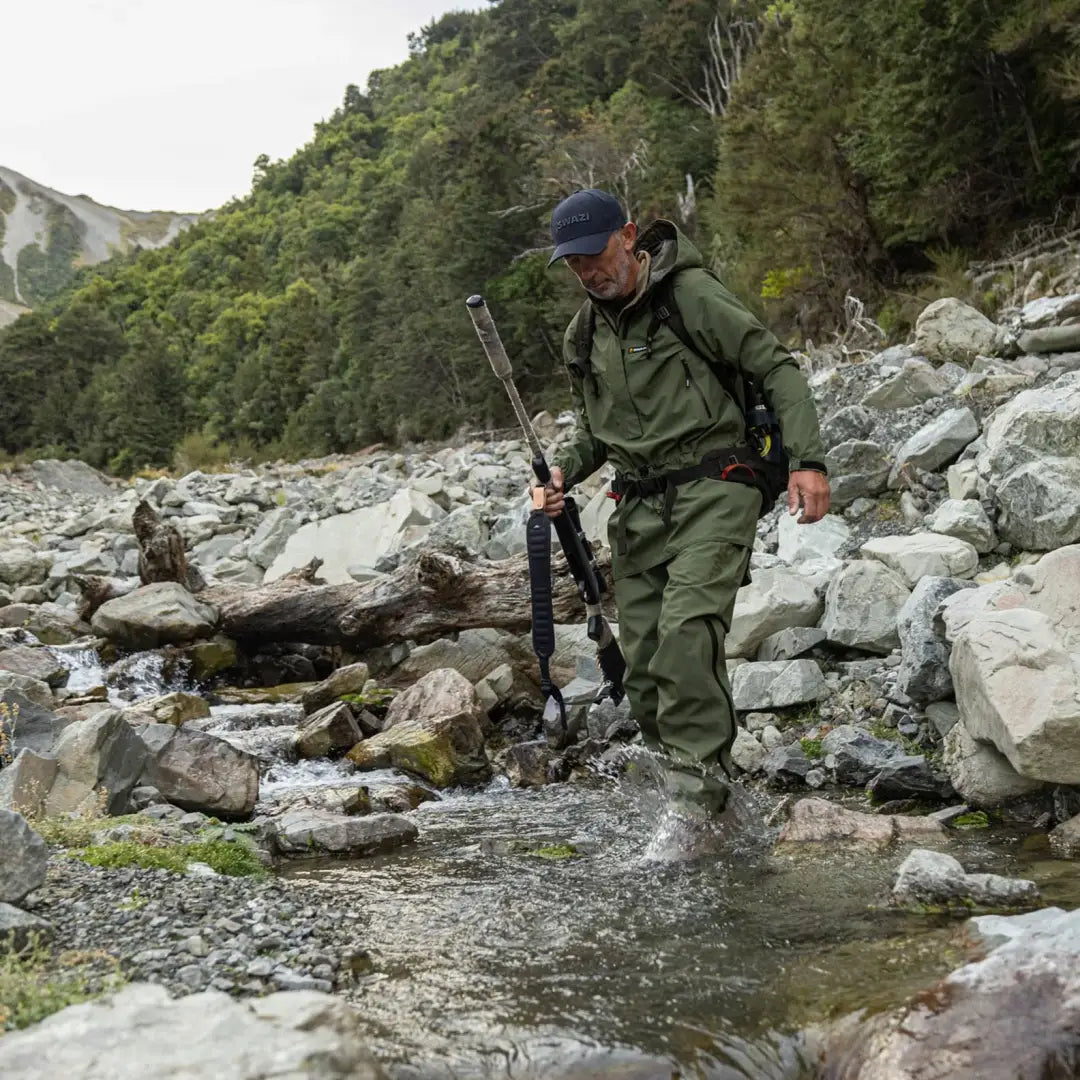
(668, 249)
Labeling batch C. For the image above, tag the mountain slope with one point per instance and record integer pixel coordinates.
(46, 235)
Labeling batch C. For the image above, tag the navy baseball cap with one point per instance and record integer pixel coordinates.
(583, 222)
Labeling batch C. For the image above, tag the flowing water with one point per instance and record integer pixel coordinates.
(526, 934)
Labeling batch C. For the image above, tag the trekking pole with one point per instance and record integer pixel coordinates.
(579, 555)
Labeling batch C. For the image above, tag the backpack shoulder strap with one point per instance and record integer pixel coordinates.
(665, 311)
(584, 332)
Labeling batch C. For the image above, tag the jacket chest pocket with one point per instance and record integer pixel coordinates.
(667, 379)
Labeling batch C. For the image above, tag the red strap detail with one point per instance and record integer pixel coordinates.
(614, 495)
(729, 469)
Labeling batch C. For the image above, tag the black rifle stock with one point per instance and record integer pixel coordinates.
(576, 547)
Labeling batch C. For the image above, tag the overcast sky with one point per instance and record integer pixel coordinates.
(159, 105)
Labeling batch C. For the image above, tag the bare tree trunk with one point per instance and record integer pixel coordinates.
(161, 550)
(435, 596)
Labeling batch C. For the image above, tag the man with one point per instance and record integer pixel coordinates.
(651, 406)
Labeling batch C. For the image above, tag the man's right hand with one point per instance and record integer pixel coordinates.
(554, 497)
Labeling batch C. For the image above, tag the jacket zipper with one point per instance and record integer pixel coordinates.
(697, 389)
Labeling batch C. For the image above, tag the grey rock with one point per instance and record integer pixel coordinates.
(854, 756)
(980, 774)
(932, 877)
(24, 566)
(774, 600)
(19, 928)
(861, 607)
(164, 613)
(309, 832)
(33, 662)
(791, 643)
(949, 330)
(965, 520)
(963, 480)
(914, 383)
(1050, 339)
(850, 422)
(746, 752)
(777, 684)
(22, 869)
(199, 771)
(1049, 310)
(943, 716)
(786, 765)
(330, 729)
(73, 477)
(349, 679)
(1040, 504)
(924, 669)
(938, 443)
(139, 1032)
(798, 543)
(37, 728)
(909, 777)
(923, 554)
(527, 763)
(857, 469)
(271, 535)
(99, 760)
(26, 782)
(994, 930)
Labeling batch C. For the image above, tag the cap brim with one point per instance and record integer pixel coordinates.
(582, 245)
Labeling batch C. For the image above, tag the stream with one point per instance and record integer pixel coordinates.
(496, 951)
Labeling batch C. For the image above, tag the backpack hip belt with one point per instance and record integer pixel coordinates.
(734, 464)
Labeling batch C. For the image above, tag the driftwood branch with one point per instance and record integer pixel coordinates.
(430, 598)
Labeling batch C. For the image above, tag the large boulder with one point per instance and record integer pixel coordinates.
(176, 708)
(937, 443)
(933, 877)
(26, 782)
(857, 469)
(349, 679)
(980, 774)
(920, 555)
(199, 771)
(1031, 463)
(308, 831)
(331, 729)
(1014, 1014)
(22, 869)
(139, 1032)
(924, 668)
(1018, 688)
(773, 601)
(34, 662)
(24, 565)
(163, 613)
(433, 729)
(949, 330)
(36, 726)
(861, 606)
(914, 383)
(99, 760)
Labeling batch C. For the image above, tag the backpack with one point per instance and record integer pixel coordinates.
(765, 467)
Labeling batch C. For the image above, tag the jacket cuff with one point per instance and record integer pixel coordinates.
(798, 465)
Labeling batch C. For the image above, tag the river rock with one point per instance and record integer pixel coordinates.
(24, 565)
(922, 555)
(965, 520)
(271, 535)
(1049, 310)
(791, 643)
(139, 1032)
(99, 760)
(746, 752)
(777, 685)
(962, 478)
(980, 774)
(25, 783)
(34, 662)
(22, 869)
(319, 832)
(924, 667)
(1050, 339)
(349, 679)
(1065, 838)
(949, 330)
(199, 771)
(862, 604)
(36, 727)
(176, 708)
(909, 776)
(773, 601)
(475, 654)
(821, 540)
(857, 469)
(163, 613)
(331, 728)
(914, 383)
(853, 755)
(1014, 1014)
(785, 765)
(27, 688)
(433, 729)
(817, 821)
(849, 422)
(936, 444)
(19, 928)
(527, 763)
(1017, 687)
(932, 877)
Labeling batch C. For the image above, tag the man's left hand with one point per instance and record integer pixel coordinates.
(809, 489)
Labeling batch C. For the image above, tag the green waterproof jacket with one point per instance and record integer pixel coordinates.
(650, 411)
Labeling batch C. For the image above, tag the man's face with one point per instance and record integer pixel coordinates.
(613, 272)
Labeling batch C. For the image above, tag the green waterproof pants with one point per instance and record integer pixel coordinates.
(673, 619)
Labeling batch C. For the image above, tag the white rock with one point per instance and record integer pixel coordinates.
(949, 330)
(963, 480)
(981, 775)
(937, 443)
(823, 539)
(774, 600)
(777, 684)
(862, 604)
(923, 555)
(965, 519)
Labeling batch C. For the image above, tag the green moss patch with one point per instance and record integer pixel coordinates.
(224, 856)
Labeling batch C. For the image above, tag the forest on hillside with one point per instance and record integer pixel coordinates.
(813, 149)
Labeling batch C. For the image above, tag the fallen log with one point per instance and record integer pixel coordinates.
(436, 595)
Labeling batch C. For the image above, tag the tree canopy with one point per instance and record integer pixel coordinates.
(812, 148)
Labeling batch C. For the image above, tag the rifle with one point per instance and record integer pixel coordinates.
(579, 555)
